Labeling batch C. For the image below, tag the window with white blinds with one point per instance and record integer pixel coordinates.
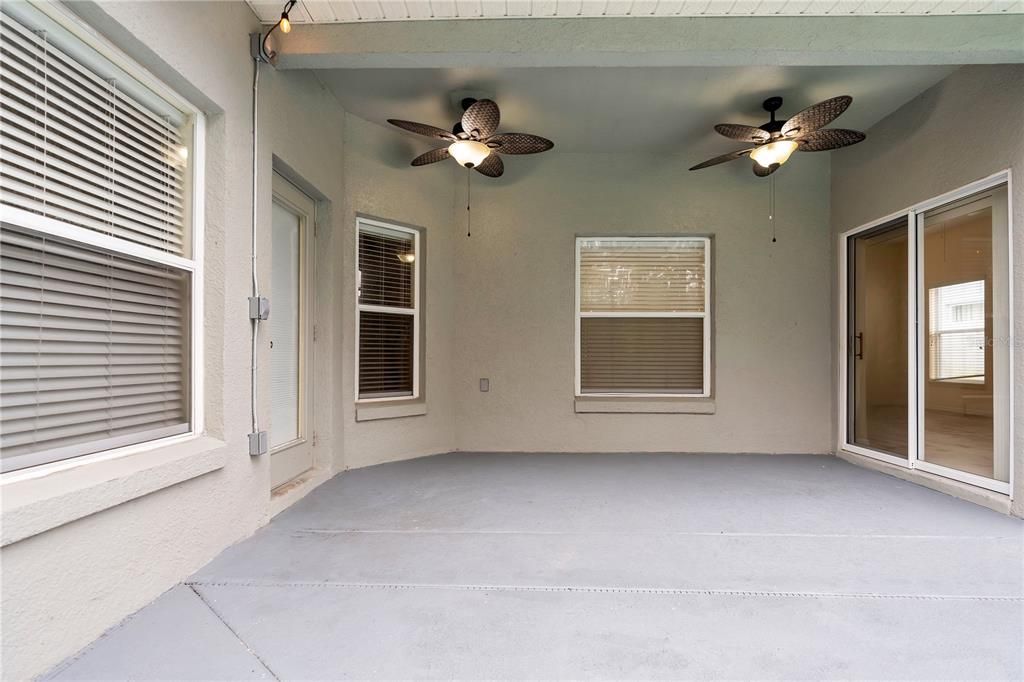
(388, 311)
(98, 268)
(642, 316)
(956, 332)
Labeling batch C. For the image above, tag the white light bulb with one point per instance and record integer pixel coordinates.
(469, 153)
(767, 155)
(286, 26)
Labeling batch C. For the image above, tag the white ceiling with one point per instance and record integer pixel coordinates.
(628, 109)
(345, 11)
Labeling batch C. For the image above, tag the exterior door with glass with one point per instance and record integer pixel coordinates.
(293, 215)
(927, 335)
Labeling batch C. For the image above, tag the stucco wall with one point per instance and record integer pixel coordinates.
(62, 588)
(380, 183)
(963, 129)
(771, 311)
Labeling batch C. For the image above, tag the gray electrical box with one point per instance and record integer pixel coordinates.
(259, 308)
(259, 443)
(485, 385)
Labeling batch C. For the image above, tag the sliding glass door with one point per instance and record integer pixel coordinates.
(927, 353)
(878, 368)
(964, 370)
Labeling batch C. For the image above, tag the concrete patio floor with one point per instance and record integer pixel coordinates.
(596, 566)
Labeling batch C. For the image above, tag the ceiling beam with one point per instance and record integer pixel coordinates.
(675, 41)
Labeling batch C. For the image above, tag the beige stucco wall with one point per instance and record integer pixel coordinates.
(380, 183)
(963, 129)
(771, 309)
(63, 587)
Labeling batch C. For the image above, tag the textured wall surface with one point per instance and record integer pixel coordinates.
(514, 310)
(379, 182)
(90, 573)
(963, 129)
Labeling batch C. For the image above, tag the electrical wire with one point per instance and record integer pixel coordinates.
(255, 280)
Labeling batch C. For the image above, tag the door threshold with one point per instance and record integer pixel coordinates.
(965, 491)
(287, 494)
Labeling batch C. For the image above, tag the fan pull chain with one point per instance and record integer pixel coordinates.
(771, 205)
(469, 216)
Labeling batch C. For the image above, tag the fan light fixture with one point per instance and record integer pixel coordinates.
(774, 153)
(474, 142)
(469, 153)
(773, 142)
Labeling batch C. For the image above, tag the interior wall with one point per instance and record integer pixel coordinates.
(923, 150)
(380, 183)
(514, 312)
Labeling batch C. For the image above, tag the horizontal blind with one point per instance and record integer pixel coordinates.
(385, 354)
(956, 322)
(642, 275)
(642, 355)
(385, 268)
(80, 147)
(387, 311)
(94, 350)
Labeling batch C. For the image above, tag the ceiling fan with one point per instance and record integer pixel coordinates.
(474, 141)
(775, 141)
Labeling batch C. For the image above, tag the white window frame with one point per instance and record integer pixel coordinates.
(50, 227)
(706, 316)
(415, 311)
(933, 336)
(916, 375)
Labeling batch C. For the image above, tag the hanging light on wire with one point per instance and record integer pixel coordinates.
(265, 53)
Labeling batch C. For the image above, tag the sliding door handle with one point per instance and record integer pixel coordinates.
(859, 343)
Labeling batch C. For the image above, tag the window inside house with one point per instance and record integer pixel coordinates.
(643, 316)
(99, 248)
(388, 311)
(956, 332)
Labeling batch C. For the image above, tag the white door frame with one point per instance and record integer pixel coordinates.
(288, 195)
(915, 359)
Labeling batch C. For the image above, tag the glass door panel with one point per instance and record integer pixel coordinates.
(877, 403)
(285, 351)
(964, 354)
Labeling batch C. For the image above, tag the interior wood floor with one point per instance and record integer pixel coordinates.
(957, 441)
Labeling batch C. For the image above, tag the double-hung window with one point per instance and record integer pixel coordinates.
(100, 216)
(643, 316)
(956, 332)
(388, 311)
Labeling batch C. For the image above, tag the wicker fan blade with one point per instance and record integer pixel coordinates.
(433, 156)
(816, 116)
(482, 116)
(723, 158)
(735, 131)
(762, 172)
(492, 166)
(422, 129)
(519, 143)
(829, 138)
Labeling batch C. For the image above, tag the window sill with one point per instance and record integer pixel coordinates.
(371, 412)
(585, 405)
(35, 504)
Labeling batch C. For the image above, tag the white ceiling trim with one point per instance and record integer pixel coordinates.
(355, 11)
